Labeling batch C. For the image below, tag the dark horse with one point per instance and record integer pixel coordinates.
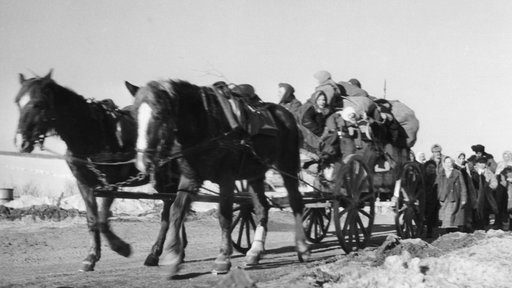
(179, 120)
(92, 131)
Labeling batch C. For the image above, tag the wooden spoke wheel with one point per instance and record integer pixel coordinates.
(241, 187)
(244, 223)
(410, 206)
(353, 204)
(243, 227)
(316, 221)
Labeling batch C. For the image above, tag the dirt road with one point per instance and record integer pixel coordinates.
(49, 254)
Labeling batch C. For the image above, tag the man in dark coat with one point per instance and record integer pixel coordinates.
(480, 153)
(431, 202)
(288, 99)
(485, 183)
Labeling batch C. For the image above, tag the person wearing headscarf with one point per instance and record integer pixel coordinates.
(330, 88)
(460, 161)
(288, 100)
(507, 162)
(452, 196)
(314, 117)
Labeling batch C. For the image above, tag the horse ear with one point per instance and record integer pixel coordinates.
(49, 75)
(132, 88)
(22, 78)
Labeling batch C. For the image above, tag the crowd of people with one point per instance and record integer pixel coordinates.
(463, 193)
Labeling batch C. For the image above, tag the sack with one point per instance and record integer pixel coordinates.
(362, 105)
(407, 119)
(352, 90)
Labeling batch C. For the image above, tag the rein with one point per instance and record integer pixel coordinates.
(183, 153)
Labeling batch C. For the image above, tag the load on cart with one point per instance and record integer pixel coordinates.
(360, 155)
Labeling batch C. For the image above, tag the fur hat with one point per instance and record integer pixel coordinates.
(478, 148)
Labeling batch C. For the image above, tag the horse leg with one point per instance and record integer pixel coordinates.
(115, 243)
(261, 207)
(92, 223)
(156, 250)
(297, 206)
(223, 261)
(181, 205)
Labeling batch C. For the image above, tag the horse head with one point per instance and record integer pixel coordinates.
(155, 113)
(36, 112)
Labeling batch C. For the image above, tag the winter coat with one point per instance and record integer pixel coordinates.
(289, 101)
(451, 192)
(314, 121)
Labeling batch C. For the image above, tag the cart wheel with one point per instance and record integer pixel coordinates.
(410, 206)
(316, 223)
(354, 204)
(243, 227)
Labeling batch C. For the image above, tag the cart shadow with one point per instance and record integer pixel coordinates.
(379, 234)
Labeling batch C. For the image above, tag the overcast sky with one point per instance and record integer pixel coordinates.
(448, 60)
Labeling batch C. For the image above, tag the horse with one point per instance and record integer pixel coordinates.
(184, 122)
(93, 132)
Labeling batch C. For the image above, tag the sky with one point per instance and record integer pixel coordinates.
(450, 61)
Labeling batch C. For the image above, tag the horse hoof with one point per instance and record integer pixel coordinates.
(304, 256)
(252, 259)
(124, 249)
(173, 271)
(221, 267)
(151, 260)
(87, 267)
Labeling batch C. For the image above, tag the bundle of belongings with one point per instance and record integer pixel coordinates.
(355, 117)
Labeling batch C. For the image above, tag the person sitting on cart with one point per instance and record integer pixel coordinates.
(287, 98)
(343, 126)
(314, 117)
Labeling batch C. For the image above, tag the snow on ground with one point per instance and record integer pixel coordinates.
(480, 259)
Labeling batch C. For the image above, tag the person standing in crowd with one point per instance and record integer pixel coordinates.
(412, 156)
(471, 204)
(431, 202)
(480, 153)
(507, 162)
(422, 158)
(503, 194)
(437, 156)
(288, 100)
(460, 161)
(452, 195)
(485, 183)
